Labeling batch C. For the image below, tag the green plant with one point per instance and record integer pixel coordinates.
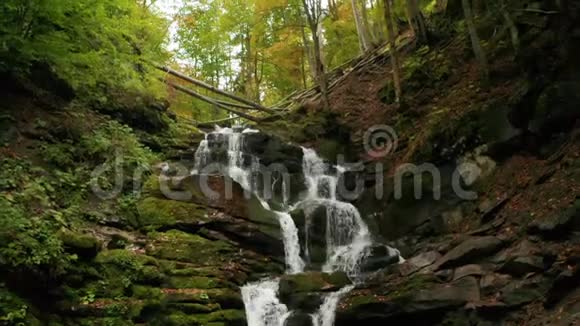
(88, 298)
(92, 45)
(29, 243)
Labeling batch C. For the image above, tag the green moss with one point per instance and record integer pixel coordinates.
(150, 275)
(106, 321)
(221, 317)
(83, 244)
(146, 292)
(195, 282)
(156, 212)
(411, 285)
(125, 258)
(194, 308)
(363, 300)
(312, 282)
(184, 247)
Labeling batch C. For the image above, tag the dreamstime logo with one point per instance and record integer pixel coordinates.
(215, 181)
(380, 141)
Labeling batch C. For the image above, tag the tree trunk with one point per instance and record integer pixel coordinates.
(379, 24)
(210, 88)
(309, 55)
(360, 28)
(416, 20)
(320, 69)
(394, 54)
(514, 34)
(313, 11)
(210, 101)
(477, 49)
(367, 25)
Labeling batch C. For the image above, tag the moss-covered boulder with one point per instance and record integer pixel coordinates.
(84, 245)
(305, 291)
(190, 248)
(156, 212)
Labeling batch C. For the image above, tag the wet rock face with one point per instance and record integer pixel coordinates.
(470, 250)
(310, 219)
(379, 257)
(275, 164)
(304, 292)
(420, 301)
(272, 150)
(299, 319)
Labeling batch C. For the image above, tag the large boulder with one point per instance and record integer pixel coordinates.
(417, 300)
(304, 292)
(557, 226)
(379, 257)
(470, 250)
(418, 262)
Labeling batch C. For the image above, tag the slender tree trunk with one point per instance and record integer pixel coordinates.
(320, 71)
(416, 20)
(313, 11)
(394, 52)
(367, 25)
(303, 68)
(310, 55)
(514, 34)
(477, 49)
(360, 28)
(379, 26)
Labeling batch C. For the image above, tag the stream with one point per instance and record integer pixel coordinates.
(348, 239)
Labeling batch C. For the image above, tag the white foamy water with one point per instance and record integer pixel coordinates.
(327, 312)
(262, 305)
(347, 236)
(294, 262)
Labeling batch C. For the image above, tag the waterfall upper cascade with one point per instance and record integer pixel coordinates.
(347, 236)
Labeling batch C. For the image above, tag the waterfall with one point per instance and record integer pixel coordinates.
(262, 305)
(291, 243)
(202, 156)
(326, 314)
(347, 236)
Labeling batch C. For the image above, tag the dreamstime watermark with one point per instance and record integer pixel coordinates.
(232, 178)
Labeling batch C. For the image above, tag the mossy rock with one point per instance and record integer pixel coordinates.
(190, 248)
(196, 282)
(92, 321)
(84, 245)
(221, 317)
(312, 282)
(118, 242)
(124, 258)
(156, 212)
(227, 298)
(146, 292)
(194, 308)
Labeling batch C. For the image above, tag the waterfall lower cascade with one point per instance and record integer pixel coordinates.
(347, 236)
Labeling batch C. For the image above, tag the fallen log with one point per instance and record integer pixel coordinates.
(211, 101)
(199, 83)
(211, 124)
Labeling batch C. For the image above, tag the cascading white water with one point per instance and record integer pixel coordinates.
(291, 243)
(326, 314)
(201, 155)
(347, 236)
(260, 298)
(262, 305)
